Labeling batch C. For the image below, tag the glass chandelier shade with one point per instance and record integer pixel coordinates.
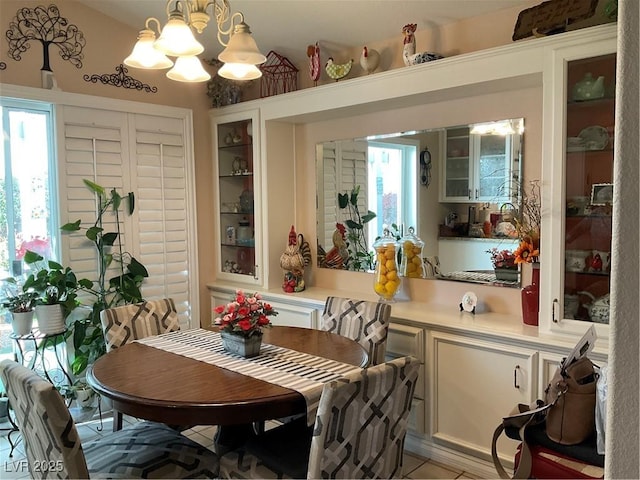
(176, 39)
(188, 69)
(239, 71)
(145, 55)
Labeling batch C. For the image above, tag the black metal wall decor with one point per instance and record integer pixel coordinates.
(49, 28)
(3, 66)
(120, 79)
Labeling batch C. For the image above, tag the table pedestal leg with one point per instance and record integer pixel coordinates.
(230, 437)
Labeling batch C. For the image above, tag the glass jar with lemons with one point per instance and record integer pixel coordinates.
(386, 278)
(411, 247)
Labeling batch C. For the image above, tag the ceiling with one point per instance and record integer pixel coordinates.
(288, 26)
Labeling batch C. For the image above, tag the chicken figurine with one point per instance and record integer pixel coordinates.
(296, 256)
(369, 60)
(338, 70)
(313, 52)
(338, 256)
(409, 54)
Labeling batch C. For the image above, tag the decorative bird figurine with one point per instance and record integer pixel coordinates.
(313, 52)
(338, 256)
(369, 60)
(409, 54)
(338, 70)
(296, 256)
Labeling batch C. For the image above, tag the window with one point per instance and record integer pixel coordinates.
(28, 219)
(392, 186)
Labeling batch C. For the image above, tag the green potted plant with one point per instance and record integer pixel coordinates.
(19, 301)
(57, 288)
(105, 292)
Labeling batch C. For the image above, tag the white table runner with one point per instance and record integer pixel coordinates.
(281, 366)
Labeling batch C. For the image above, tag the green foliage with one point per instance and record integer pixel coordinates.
(54, 283)
(124, 288)
(360, 258)
(17, 298)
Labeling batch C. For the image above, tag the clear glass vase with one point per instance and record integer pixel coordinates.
(386, 279)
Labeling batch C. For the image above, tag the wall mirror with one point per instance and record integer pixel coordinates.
(444, 183)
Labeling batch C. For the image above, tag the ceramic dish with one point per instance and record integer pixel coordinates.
(595, 137)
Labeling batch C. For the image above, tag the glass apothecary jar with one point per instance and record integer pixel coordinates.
(386, 279)
(411, 249)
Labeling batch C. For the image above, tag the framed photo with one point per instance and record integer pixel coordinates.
(602, 194)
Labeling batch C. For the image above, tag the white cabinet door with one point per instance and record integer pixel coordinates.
(404, 340)
(237, 208)
(474, 383)
(578, 166)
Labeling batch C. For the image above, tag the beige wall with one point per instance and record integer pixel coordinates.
(108, 42)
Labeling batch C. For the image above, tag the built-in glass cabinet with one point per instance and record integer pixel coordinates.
(589, 159)
(578, 167)
(236, 190)
(479, 162)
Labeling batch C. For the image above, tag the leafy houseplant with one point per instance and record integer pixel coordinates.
(106, 292)
(360, 257)
(20, 302)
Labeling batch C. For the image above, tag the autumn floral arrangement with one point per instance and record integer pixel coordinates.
(502, 258)
(527, 218)
(246, 315)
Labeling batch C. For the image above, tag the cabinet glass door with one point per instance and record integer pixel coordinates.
(589, 187)
(494, 168)
(236, 201)
(457, 165)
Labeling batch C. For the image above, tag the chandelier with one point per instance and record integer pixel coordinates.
(240, 56)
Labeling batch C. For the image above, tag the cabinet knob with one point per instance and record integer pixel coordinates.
(554, 310)
(515, 376)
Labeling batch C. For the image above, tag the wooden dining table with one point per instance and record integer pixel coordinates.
(157, 385)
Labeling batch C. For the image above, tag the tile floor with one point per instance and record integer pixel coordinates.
(15, 468)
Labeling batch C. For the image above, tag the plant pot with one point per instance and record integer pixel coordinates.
(506, 274)
(244, 346)
(50, 319)
(21, 322)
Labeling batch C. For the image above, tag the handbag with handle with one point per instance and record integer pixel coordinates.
(568, 410)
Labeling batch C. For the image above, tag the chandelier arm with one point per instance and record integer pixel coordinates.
(148, 26)
(229, 31)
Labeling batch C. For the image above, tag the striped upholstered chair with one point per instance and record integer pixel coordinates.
(359, 431)
(127, 323)
(365, 322)
(146, 450)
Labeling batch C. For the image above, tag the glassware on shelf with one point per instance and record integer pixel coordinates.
(386, 279)
(411, 248)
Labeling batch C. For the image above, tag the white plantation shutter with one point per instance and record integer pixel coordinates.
(146, 155)
(159, 171)
(344, 166)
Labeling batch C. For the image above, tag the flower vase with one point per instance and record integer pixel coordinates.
(506, 274)
(531, 297)
(239, 345)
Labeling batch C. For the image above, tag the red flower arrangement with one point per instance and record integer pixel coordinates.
(246, 315)
(502, 258)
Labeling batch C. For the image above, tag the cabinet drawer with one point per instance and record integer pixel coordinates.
(404, 340)
(294, 316)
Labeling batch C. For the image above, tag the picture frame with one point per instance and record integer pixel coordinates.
(602, 194)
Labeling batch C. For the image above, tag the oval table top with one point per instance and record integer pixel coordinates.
(146, 382)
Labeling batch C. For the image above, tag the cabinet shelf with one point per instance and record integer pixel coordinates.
(597, 102)
(238, 245)
(236, 146)
(238, 175)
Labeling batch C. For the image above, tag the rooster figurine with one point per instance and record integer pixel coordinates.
(369, 60)
(313, 52)
(409, 54)
(338, 256)
(296, 256)
(338, 70)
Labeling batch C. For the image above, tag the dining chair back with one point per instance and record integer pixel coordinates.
(359, 431)
(54, 450)
(365, 322)
(126, 323)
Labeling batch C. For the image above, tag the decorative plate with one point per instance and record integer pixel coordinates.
(469, 301)
(595, 137)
